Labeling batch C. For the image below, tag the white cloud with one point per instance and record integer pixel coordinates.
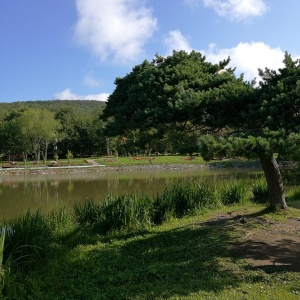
(248, 57)
(67, 94)
(92, 82)
(114, 29)
(237, 9)
(176, 41)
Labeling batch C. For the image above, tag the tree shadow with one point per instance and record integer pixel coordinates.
(281, 255)
(158, 265)
(192, 259)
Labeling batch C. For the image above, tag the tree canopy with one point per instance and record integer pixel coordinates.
(175, 90)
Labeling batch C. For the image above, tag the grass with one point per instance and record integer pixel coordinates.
(234, 192)
(260, 190)
(26, 238)
(125, 161)
(184, 258)
(185, 198)
(177, 260)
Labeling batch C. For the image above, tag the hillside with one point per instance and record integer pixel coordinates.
(79, 106)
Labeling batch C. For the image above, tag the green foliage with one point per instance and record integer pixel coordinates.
(294, 194)
(189, 259)
(234, 192)
(27, 238)
(88, 212)
(182, 199)
(125, 212)
(69, 156)
(2, 240)
(80, 106)
(179, 89)
(260, 190)
(212, 147)
(59, 221)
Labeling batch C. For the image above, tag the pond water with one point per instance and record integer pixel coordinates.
(19, 193)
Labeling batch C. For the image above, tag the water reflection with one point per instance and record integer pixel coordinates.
(48, 191)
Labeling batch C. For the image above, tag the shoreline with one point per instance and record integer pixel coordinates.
(103, 168)
(66, 169)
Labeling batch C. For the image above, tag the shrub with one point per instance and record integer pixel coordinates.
(233, 192)
(260, 190)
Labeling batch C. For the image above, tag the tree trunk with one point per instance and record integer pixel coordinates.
(274, 182)
(46, 152)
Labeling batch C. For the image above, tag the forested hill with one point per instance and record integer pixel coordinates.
(79, 106)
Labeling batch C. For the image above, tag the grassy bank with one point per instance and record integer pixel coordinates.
(115, 161)
(178, 245)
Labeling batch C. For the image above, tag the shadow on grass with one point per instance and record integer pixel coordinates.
(191, 261)
(156, 266)
(279, 255)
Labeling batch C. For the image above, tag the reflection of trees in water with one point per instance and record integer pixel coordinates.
(70, 186)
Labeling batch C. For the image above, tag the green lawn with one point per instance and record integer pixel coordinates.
(125, 161)
(183, 259)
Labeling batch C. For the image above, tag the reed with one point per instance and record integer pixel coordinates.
(207, 196)
(260, 191)
(182, 199)
(87, 213)
(27, 238)
(294, 194)
(2, 239)
(60, 222)
(234, 192)
(124, 212)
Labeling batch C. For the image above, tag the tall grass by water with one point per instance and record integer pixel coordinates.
(260, 190)
(234, 192)
(53, 237)
(28, 238)
(181, 199)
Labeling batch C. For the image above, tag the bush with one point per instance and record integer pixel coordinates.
(260, 191)
(233, 192)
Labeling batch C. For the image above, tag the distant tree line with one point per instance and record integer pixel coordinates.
(40, 130)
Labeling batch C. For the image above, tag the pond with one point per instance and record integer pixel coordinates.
(18, 193)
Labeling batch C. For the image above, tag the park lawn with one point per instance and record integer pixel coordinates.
(188, 258)
(121, 161)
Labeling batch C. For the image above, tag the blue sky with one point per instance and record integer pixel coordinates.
(74, 49)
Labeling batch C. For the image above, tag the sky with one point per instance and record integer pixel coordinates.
(75, 49)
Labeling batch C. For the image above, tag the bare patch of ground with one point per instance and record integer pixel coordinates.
(264, 241)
